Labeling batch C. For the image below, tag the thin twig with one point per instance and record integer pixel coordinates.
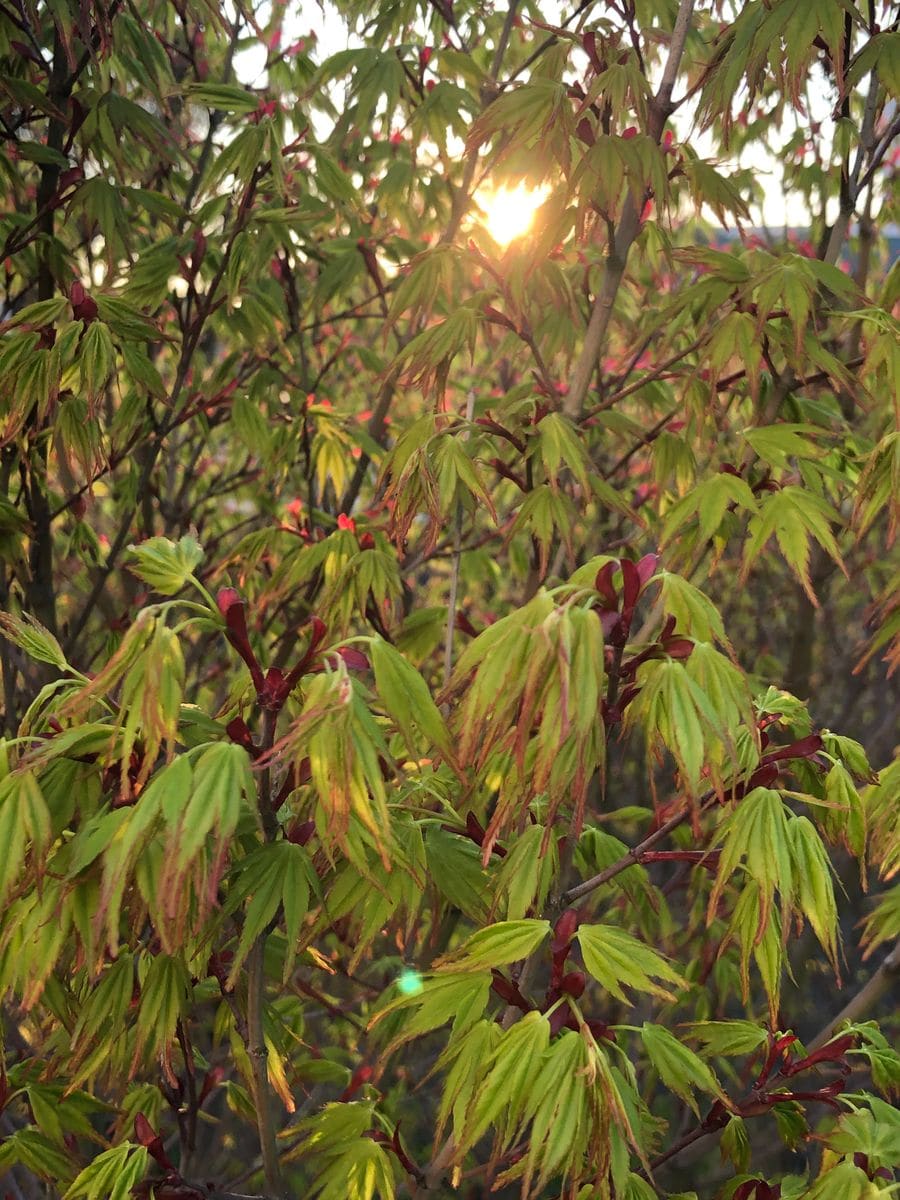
(627, 860)
(258, 1054)
(256, 988)
(189, 1142)
(504, 39)
(456, 561)
(650, 376)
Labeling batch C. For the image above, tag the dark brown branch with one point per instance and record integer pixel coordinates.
(632, 858)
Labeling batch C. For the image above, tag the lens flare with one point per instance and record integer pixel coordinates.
(509, 212)
(409, 982)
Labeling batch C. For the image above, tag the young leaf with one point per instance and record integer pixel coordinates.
(497, 945)
(29, 635)
(165, 565)
(618, 961)
(680, 1069)
(407, 698)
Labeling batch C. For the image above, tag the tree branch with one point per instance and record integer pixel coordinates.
(258, 1054)
(189, 347)
(628, 228)
(455, 563)
(886, 977)
(631, 859)
(256, 990)
(863, 1002)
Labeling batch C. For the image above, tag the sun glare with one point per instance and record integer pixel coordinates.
(508, 212)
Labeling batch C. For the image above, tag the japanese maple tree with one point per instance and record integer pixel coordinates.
(449, 725)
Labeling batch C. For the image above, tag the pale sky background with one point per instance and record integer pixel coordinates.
(776, 210)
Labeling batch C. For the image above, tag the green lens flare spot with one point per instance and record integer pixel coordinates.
(410, 983)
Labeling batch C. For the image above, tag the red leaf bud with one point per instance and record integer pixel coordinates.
(631, 586)
(84, 308)
(360, 1076)
(226, 598)
(239, 733)
(147, 1136)
(300, 832)
(573, 983)
(604, 585)
(354, 660)
(211, 1080)
(564, 930)
(646, 568)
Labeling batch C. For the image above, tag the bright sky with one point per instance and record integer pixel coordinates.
(776, 209)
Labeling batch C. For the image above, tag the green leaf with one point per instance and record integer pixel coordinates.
(111, 1175)
(165, 565)
(24, 820)
(736, 1143)
(813, 887)
(165, 998)
(679, 1068)
(617, 960)
(141, 369)
(847, 818)
(505, 942)
(758, 835)
(126, 321)
(776, 444)
(845, 1181)
(275, 877)
(560, 447)
(694, 613)
(728, 1038)
(709, 501)
(107, 1005)
(42, 312)
(672, 708)
(221, 779)
(223, 96)
(437, 999)
(35, 1151)
(455, 868)
(793, 515)
(874, 1132)
(334, 182)
(510, 1080)
(29, 635)
(408, 700)
(559, 1107)
(527, 873)
(96, 359)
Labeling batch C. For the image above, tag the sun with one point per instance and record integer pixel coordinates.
(508, 212)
